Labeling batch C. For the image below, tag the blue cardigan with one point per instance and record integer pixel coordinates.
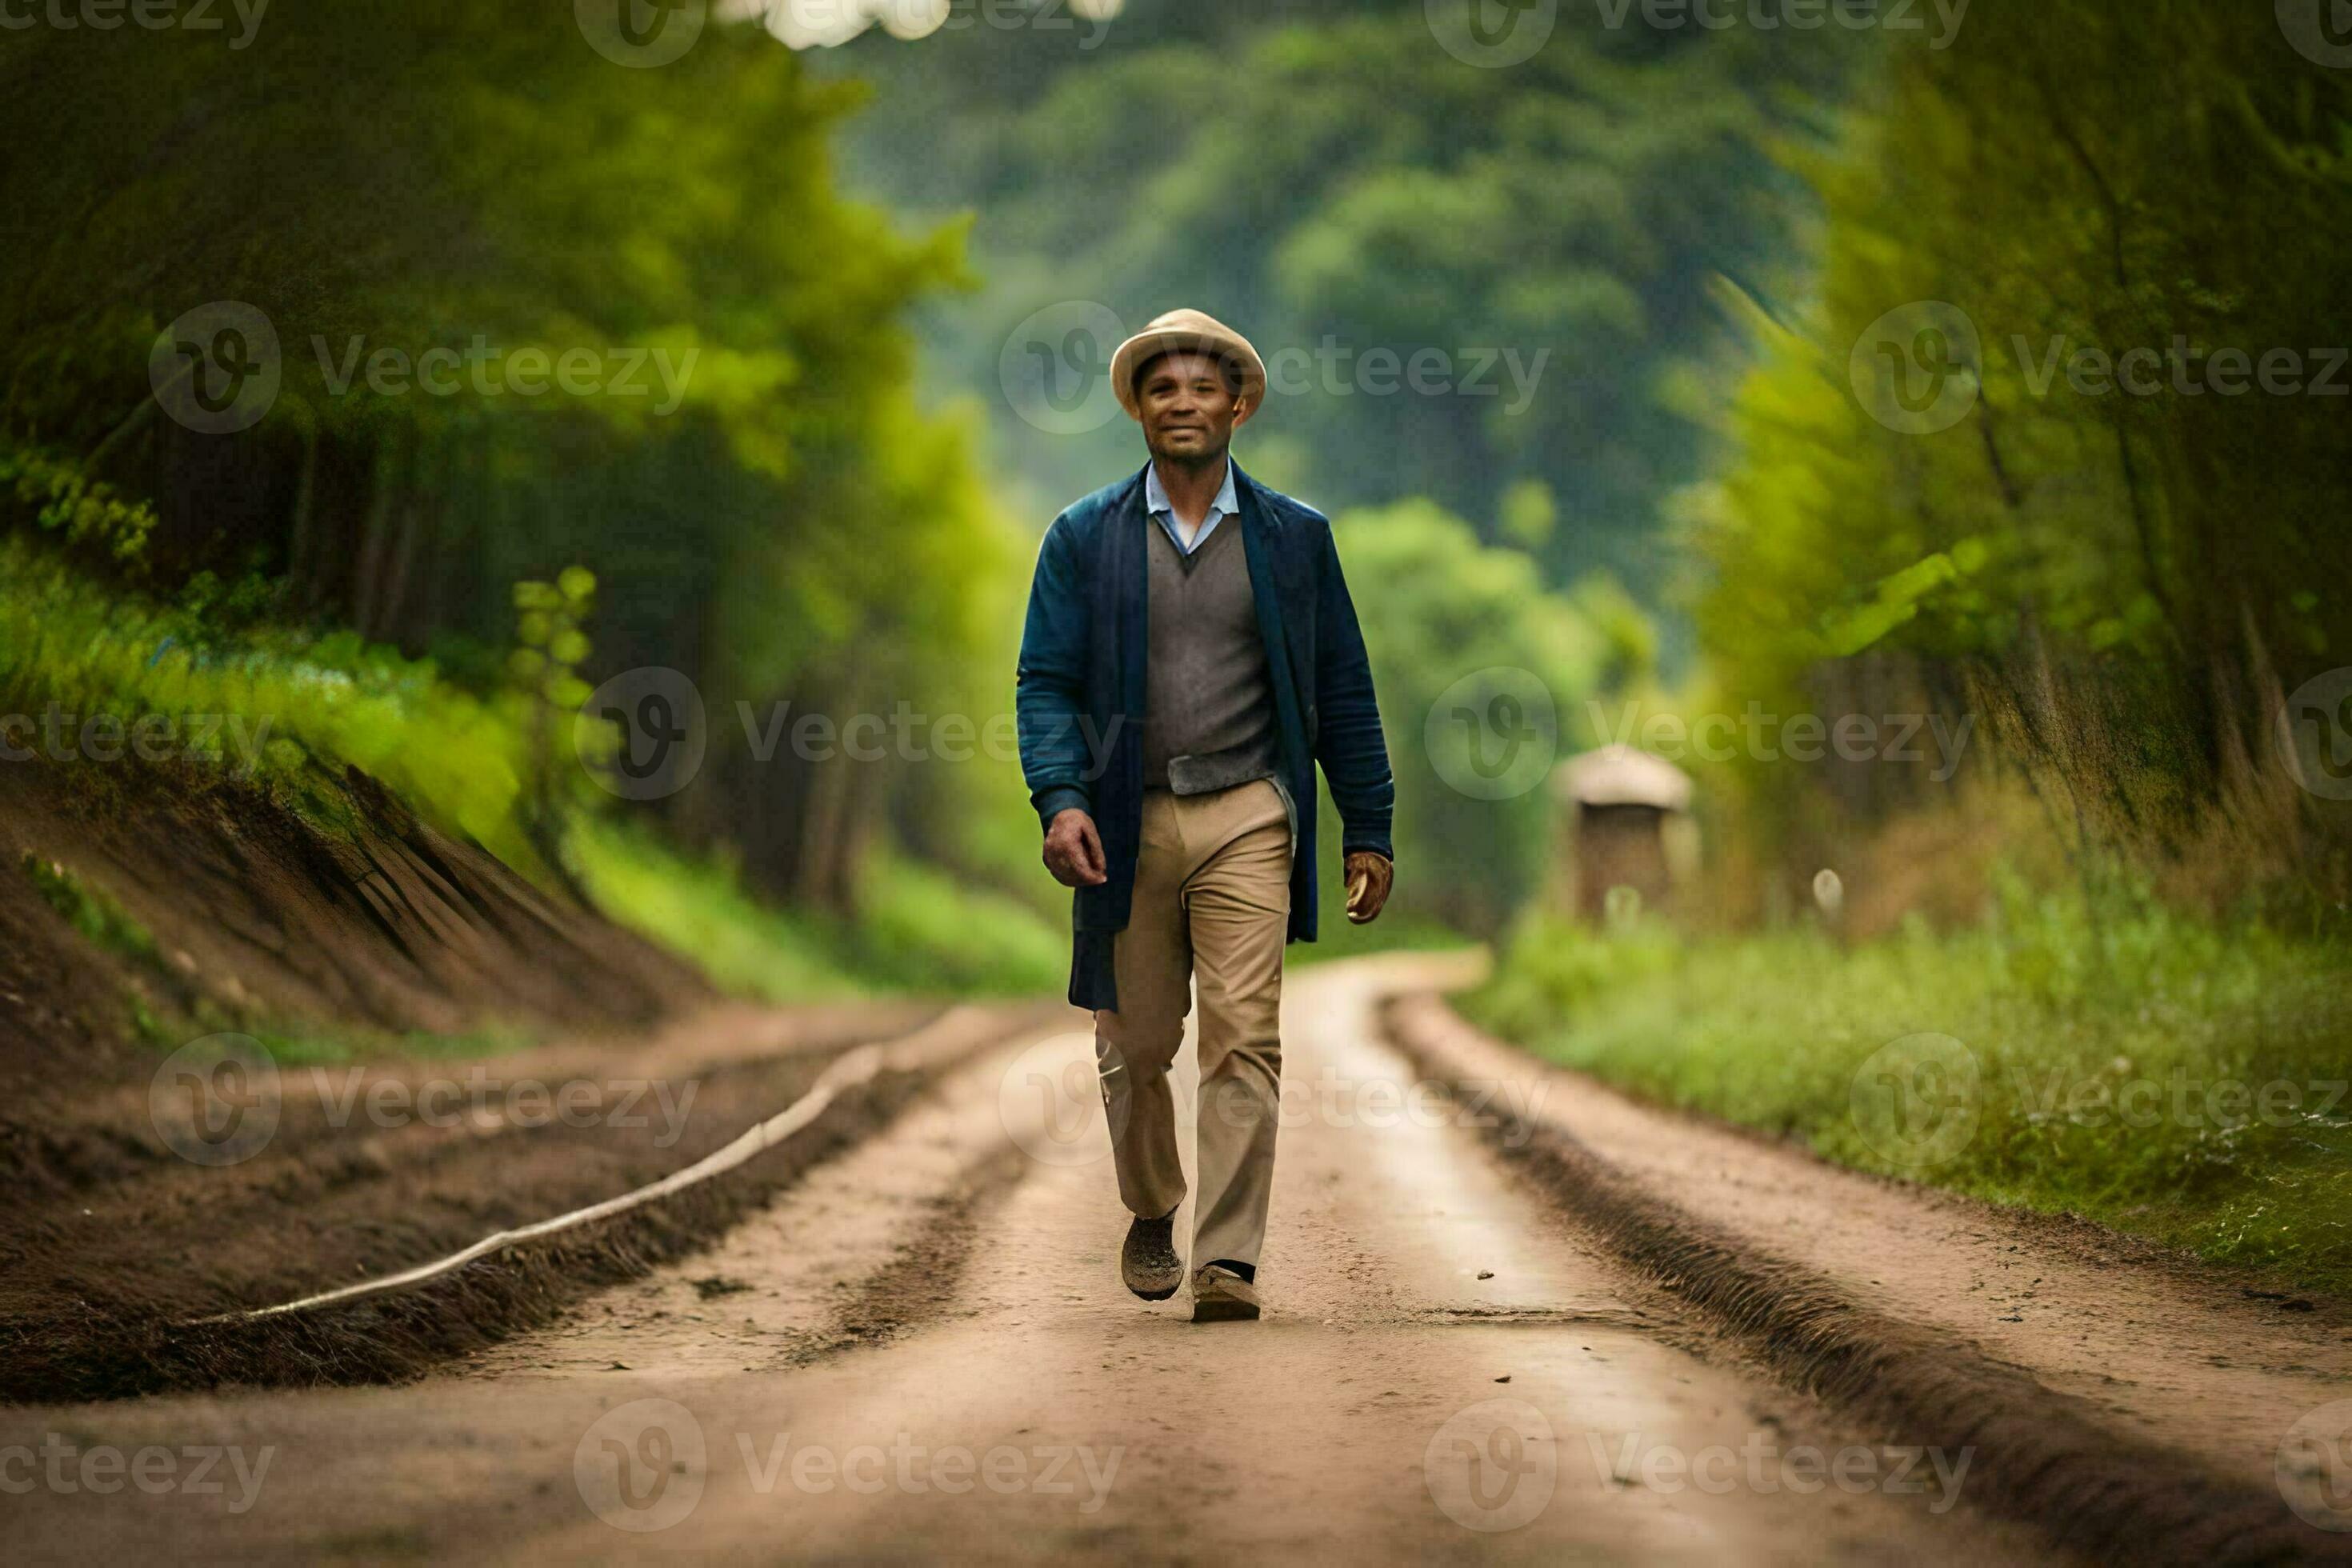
(1081, 687)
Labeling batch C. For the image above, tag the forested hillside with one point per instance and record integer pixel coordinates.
(533, 314)
(1325, 174)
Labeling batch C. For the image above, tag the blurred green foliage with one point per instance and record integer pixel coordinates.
(1321, 173)
(743, 473)
(918, 930)
(1440, 609)
(2164, 190)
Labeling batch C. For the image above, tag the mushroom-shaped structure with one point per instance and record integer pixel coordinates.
(1630, 827)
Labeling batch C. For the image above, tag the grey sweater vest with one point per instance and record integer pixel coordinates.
(1209, 697)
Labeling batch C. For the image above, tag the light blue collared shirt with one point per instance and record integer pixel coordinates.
(1156, 501)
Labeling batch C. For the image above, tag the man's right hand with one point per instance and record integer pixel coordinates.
(1074, 851)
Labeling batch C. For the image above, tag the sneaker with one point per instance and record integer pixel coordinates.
(1222, 1296)
(1148, 1262)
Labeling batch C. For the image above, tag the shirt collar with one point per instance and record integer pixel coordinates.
(1155, 496)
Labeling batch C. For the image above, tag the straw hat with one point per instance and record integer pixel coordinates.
(1187, 331)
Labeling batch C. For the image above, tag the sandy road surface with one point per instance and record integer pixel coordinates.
(922, 1352)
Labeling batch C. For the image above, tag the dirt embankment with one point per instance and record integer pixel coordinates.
(140, 908)
(342, 910)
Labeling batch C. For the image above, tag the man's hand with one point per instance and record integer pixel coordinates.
(1369, 876)
(1074, 850)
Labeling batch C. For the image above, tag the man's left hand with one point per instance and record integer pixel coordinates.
(1369, 876)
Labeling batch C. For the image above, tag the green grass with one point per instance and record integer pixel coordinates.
(918, 930)
(2110, 1067)
(99, 920)
(288, 701)
(275, 697)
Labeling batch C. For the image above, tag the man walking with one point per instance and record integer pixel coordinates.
(1191, 655)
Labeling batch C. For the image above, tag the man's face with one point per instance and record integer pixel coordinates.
(1189, 409)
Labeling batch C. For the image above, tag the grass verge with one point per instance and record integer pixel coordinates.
(2167, 1077)
(919, 929)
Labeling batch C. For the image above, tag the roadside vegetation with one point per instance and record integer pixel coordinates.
(2173, 1076)
(2127, 902)
(281, 706)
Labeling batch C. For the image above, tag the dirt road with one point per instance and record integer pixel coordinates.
(922, 1351)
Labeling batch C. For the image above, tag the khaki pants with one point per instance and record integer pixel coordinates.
(1212, 901)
